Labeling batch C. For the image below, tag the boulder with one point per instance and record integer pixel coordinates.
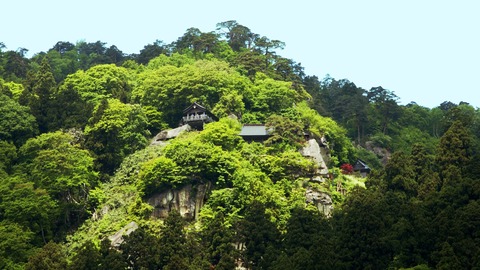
(320, 199)
(187, 200)
(318, 154)
(168, 134)
(117, 239)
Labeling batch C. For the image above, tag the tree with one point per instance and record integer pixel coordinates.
(217, 239)
(284, 131)
(111, 258)
(16, 65)
(115, 131)
(361, 227)
(16, 123)
(100, 82)
(55, 163)
(267, 47)
(201, 161)
(140, 250)
(39, 93)
(448, 259)
(30, 207)
(50, 256)
(238, 36)
(423, 166)
(346, 103)
(151, 51)
(455, 149)
(173, 253)
(205, 82)
(261, 237)
(230, 104)
(399, 174)
(224, 133)
(114, 54)
(63, 46)
(8, 154)
(159, 174)
(386, 108)
(15, 245)
(69, 110)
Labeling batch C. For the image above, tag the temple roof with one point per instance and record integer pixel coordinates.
(255, 130)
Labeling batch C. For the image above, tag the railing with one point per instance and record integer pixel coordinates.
(197, 117)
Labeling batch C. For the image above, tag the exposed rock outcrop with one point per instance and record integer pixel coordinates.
(318, 154)
(382, 153)
(168, 134)
(117, 239)
(187, 200)
(320, 199)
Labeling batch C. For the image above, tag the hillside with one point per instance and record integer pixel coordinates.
(86, 182)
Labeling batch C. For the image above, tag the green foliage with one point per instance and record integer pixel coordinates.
(419, 212)
(200, 160)
(16, 123)
(154, 119)
(29, 207)
(11, 89)
(176, 60)
(217, 238)
(8, 154)
(229, 104)
(339, 144)
(203, 81)
(455, 147)
(261, 237)
(87, 257)
(369, 157)
(50, 256)
(15, 245)
(173, 253)
(224, 133)
(284, 132)
(54, 163)
(100, 82)
(409, 136)
(159, 174)
(115, 131)
(38, 95)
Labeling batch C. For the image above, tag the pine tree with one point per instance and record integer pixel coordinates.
(140, 250)
(261, 237)
(454, 150)
(39, 93)
(173, 241)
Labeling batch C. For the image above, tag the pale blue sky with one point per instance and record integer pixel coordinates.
(425, 51)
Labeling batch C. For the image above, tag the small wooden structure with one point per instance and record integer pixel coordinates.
(196, 116)
(362, 167)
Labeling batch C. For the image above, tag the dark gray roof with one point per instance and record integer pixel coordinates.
(194, 105)
(360, 165)
(254, 130)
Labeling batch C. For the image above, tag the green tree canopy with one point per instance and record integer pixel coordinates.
(16, 124)
(115, 131)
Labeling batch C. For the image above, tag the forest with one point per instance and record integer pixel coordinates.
(78, 169)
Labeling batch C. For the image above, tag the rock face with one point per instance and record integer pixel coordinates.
(383, 153)
(117, 238)
(168, 134)
(321, 200)
(187, 200)
(319, 154)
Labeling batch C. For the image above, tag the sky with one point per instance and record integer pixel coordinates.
(423, 50)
